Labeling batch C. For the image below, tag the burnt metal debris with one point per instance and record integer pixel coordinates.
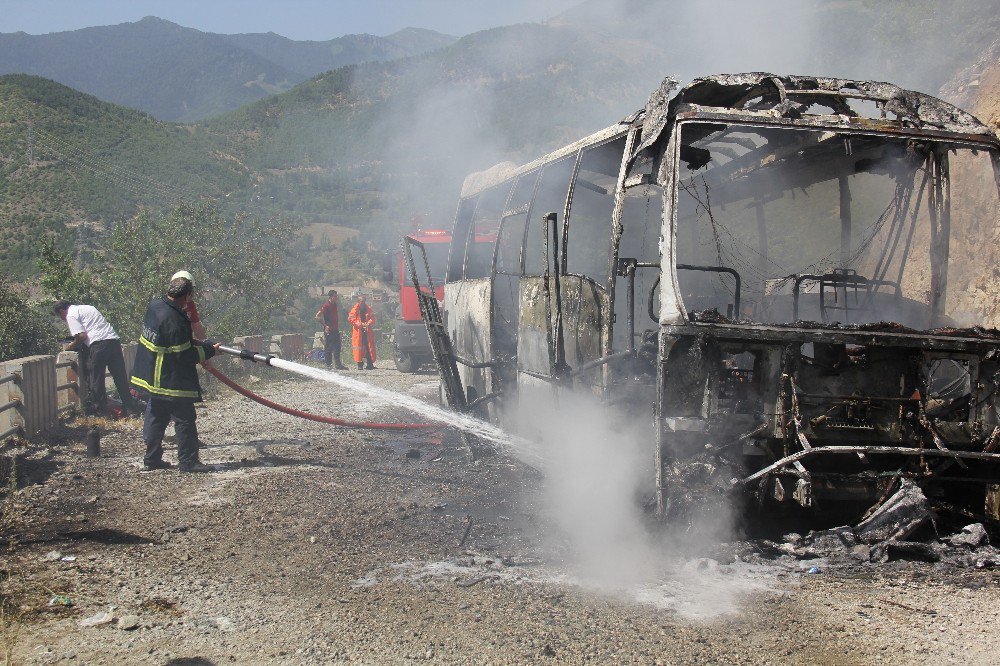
(759, 270)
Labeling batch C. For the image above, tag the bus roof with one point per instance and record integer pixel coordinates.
(764, 97)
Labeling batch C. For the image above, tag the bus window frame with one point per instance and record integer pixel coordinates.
(508, 214)
(617, 202)
(460, 229)
(473, 232)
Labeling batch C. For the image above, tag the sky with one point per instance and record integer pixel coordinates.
(295, 19)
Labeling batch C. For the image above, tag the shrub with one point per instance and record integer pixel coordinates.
(24, 330)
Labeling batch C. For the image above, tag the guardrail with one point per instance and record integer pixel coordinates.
(11, 404)
(27, 396)
(36, 390)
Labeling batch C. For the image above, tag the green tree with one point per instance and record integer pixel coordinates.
(60, 278)
(242, 265)
(24, 330)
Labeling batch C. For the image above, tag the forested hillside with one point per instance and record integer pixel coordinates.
(361, 149)
(70, 165)
(307, 58)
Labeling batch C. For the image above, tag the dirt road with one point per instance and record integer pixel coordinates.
(311, 544)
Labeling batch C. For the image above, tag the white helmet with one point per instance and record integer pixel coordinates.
(182, 274)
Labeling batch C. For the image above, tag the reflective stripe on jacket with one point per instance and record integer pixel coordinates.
(166, 359)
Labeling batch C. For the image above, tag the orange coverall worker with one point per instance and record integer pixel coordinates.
(362, 320)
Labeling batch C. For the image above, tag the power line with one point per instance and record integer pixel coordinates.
(139, 184)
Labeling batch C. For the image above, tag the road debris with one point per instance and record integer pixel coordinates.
(897, 517)
(97, 620)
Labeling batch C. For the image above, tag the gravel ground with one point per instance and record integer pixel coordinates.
(311, 544)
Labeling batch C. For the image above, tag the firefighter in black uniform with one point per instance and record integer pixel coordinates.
(166, 369)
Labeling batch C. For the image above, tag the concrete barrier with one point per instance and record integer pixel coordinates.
(128, 351)
(32, 392)
(292, 346)
(10, 423)
(35, 390)
(70, 391)
(274, 345)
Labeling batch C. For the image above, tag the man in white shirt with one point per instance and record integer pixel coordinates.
(100, 350)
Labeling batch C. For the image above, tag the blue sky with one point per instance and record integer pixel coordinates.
(296, 19)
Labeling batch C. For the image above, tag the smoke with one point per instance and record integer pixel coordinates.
(917, 44)
(427, 148)
(594, 475)
(598, 493)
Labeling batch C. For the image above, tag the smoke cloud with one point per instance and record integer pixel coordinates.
(598, 495)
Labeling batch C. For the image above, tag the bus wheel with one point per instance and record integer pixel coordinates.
(405, 362)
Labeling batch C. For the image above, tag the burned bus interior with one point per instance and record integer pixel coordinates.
(764, 270)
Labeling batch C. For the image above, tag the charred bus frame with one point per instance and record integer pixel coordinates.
(791, 240)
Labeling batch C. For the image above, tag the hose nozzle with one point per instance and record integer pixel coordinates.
(247, 355)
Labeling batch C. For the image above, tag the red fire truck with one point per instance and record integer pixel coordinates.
(410, 344)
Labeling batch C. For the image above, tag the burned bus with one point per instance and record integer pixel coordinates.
(778, 274)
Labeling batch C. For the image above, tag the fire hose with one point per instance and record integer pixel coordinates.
(266, 360)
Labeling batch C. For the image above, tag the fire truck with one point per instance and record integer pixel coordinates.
(411, 347)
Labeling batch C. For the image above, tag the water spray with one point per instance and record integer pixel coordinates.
(521, 448)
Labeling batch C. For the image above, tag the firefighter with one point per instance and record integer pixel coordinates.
(197, 328)
(165, 368)
(362, 319)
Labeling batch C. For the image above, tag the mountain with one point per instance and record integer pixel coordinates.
(182, 74)
(70, 165)
(363, 147)
(307, 58)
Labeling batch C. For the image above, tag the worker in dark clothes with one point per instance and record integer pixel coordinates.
(166, 368)
(197, 327)
(100, 351)
(329, 314)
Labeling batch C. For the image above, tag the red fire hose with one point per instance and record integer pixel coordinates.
(313, 417)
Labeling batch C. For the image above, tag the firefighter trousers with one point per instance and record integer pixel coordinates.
(158, 415)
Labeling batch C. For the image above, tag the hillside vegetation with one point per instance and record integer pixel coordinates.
(366, 146)
(70, 165)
